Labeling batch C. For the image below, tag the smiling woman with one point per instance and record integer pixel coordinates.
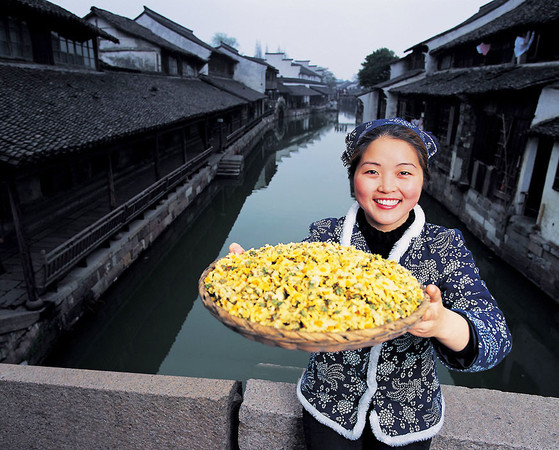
(370, 400)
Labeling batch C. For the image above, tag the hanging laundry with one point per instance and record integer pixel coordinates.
(483, 49)
(522, 43)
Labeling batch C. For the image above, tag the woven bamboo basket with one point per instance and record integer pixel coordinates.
(309, 341)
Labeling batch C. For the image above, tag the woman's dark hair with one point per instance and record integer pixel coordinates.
(395, 132)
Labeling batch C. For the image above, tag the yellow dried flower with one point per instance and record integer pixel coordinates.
(314, 286)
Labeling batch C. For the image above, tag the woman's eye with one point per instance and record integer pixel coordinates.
(405, 172)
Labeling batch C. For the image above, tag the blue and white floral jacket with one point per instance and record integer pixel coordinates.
(397, 380)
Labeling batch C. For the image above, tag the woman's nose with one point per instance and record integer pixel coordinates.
(387, 185)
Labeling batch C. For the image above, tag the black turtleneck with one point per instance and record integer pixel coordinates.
(381, 242)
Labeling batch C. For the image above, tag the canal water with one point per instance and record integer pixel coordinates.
(153, 321)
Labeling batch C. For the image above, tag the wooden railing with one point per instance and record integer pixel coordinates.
(61, 259)
(241, 131)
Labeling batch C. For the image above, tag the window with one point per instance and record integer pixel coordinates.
(441, 117)
(173, 66)
(15, 40)
(544, 46)
(68, 51)
(416, 61)
(188, 70)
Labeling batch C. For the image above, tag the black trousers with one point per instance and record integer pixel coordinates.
(321, 437)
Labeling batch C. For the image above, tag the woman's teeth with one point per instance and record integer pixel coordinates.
(387, 202)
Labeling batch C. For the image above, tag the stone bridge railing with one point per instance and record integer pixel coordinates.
(43, 407)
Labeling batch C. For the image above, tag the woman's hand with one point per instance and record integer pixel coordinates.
(448, 327)
(236, 248)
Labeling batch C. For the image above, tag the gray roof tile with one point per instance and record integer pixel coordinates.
(235, 88)
(482, 80)
(547, 128)
(47, 112)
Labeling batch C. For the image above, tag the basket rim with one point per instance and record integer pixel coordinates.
(309, 340)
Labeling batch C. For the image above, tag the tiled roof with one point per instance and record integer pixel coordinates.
(548, 128)
(250, 58)
(47, 112)
(261, 61)
(135, 29)
(306, 71)
(482, 80)
(298, 90)
(325, 90)
(282, 88)
(52, 12)
(234, 87)
(531, 13)
(404, 76)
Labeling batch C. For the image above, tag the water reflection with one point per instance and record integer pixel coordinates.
(152, 321)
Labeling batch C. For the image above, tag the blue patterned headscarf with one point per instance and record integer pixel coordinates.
(352, 139)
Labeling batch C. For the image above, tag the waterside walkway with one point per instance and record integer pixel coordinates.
(43, 407)
(28, 334)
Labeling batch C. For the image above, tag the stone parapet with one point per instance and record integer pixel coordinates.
(44, 407)
(489, 419)
(270, 417)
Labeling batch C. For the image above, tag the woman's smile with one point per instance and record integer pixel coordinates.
(386, 203)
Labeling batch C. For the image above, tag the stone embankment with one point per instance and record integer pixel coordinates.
(44, 407)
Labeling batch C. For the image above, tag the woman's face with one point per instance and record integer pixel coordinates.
(388, 182)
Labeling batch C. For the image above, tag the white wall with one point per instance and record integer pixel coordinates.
(130, 52)
(370, 100)
(285, 66)
(392, 99)
(251, 73)
(528, 160)
(398, 68)
(550, 201)
(175, 38)
(548, 104)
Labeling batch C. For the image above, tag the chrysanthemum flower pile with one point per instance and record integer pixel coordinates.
(314, 286)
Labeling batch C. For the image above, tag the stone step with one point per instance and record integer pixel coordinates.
(230, 166)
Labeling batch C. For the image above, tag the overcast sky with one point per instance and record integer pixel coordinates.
(336, 34)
